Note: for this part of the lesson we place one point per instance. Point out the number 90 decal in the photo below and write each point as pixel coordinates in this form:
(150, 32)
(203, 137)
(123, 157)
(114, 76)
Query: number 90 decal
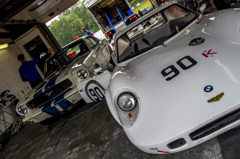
(94, 91)
(171, 71)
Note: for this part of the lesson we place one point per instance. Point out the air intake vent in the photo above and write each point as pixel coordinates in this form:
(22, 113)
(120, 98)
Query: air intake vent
(215, 125)
(177, 143)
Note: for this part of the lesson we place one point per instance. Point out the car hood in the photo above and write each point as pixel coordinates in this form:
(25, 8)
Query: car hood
(169, 108)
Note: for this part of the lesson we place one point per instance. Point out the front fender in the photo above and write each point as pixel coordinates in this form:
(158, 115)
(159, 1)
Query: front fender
(111, 105)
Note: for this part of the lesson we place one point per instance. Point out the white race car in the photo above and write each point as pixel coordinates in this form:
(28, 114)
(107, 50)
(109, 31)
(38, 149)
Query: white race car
(78, 61)
(177, 80)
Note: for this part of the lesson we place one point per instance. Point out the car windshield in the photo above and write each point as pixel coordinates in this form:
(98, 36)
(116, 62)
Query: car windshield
(153, 31)
(68, 53)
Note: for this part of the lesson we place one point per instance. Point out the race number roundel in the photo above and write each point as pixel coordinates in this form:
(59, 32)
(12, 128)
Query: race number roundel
(94, 91)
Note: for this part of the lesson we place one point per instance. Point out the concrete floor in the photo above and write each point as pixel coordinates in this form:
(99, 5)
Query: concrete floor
(90, 132)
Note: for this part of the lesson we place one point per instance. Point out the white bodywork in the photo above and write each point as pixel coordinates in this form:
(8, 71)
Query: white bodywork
(93, 89)
(173, 109)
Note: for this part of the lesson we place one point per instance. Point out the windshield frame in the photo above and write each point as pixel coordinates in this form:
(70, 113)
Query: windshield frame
(143, 19)
(64, 52)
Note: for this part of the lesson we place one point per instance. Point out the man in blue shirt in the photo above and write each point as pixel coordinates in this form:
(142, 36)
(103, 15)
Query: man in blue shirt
(28, 71)
(86, 31)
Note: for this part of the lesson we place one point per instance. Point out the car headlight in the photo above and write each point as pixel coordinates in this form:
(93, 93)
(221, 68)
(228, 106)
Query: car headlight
(82, 74)
(128, 107)
(23, 109)
(126, 101)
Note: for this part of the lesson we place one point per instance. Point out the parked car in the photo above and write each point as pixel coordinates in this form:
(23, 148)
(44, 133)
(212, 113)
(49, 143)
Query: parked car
(176, 81)
(76, 62)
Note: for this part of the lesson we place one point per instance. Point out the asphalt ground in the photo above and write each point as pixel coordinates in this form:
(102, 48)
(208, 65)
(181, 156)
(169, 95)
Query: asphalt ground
(89, 131)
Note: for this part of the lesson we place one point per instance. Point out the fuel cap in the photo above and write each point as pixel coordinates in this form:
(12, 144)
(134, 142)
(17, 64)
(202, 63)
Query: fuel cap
(196, 41)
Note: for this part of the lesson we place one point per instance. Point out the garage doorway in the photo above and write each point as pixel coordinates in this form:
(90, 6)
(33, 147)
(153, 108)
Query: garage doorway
(36, 48)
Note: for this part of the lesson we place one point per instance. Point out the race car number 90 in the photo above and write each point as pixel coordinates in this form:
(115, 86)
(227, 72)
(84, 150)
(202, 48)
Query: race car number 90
(94, 91)
(185, 63)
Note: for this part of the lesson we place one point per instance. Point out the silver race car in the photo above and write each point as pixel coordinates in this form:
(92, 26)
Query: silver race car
(78, 61)
(177, 80)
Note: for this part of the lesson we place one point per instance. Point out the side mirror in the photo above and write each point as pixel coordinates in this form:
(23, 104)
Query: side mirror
(203, 7)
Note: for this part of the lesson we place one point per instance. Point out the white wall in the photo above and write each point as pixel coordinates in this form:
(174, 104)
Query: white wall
(9, 64)
(9, 75)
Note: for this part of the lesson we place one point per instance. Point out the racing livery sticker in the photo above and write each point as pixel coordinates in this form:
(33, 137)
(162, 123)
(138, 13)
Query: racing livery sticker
(171, 71)
(216, 98)
(94, 91)
(208, 53)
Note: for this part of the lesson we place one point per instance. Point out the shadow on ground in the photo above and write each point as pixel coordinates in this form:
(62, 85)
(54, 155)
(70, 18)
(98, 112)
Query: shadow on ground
(88, 132)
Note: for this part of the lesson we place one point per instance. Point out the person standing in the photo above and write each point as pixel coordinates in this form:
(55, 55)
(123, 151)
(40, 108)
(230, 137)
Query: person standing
(28, 71)
(86, 31)
(140, 13)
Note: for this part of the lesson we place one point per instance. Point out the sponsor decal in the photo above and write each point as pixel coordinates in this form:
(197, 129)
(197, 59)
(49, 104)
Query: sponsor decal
(208, 53)
(156, 149)
(94, 91)
(162, 151)
(208, 88)
(216, 98)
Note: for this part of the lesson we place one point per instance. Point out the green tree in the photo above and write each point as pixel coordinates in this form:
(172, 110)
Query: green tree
(70, 23)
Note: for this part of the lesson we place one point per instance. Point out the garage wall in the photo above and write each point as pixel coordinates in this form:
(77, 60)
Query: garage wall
(9, 76)
(9, 64)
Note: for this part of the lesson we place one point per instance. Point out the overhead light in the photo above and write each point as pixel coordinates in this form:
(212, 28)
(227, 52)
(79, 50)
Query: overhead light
(3, 46)
(37, 5)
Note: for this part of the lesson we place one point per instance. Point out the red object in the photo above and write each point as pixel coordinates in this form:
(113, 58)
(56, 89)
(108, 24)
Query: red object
(133, 17)
(72, 54)
(162, 151)
(76, 37)
(209, 53)
(108, 34)
(91, 34)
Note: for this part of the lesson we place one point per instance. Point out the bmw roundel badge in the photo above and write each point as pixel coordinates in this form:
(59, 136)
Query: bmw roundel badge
(208, 88)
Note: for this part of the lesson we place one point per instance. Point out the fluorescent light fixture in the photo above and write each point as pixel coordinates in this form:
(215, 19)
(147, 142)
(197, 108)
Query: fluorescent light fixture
(37, 5)
(4, 46)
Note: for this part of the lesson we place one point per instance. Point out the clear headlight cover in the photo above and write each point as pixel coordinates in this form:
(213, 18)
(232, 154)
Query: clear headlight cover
(23, 109)
(82, 74)
(128, 108)
(126, 101)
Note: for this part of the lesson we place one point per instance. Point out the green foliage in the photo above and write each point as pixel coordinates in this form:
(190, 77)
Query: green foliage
(133, 3)
(70, 23)
(142, 6)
